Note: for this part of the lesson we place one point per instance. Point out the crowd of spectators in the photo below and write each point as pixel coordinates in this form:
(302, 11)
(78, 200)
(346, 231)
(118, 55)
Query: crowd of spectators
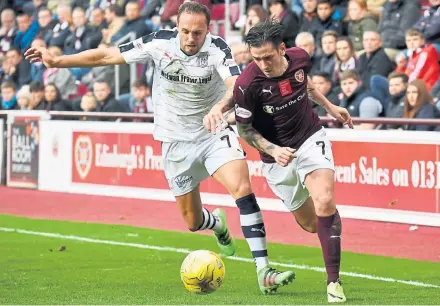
(377, 58)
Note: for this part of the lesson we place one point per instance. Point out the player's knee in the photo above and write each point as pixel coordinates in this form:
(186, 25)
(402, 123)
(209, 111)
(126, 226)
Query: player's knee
(241, 189)
(324, 203)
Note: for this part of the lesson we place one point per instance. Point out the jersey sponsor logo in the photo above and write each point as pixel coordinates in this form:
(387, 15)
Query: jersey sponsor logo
(267, 90)
(242, 112)
(181, 78)
(269, 109)
(83, 152)
(285, 88)
(299, 76)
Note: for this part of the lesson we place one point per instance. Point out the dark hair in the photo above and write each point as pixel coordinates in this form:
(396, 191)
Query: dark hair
(142, 82)
(329, 33)
(282, 2)
(114, 8)
(9, 84)
(36, 86)
(350, 74)
(325, 1)
(324, 75)
(23, 15)
(58, 93)
(269, 31)
(423, 97)
(401, 75)
(349, 42)
(194, 8)
(43, 9)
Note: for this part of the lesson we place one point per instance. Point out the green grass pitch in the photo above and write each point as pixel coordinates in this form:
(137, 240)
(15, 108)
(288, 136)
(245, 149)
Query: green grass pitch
(33, 270)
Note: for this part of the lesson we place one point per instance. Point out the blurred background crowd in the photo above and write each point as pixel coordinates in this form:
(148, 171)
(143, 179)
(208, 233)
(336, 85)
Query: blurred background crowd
(377, 58)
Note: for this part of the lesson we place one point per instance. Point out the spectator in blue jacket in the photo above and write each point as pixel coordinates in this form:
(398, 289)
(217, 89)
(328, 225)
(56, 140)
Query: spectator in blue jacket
(27, 31)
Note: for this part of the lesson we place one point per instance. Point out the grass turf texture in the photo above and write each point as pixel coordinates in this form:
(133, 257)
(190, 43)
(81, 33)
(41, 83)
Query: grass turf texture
(89, 273)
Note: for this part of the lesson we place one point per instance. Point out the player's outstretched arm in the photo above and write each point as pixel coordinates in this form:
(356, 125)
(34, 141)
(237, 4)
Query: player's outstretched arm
(282, 155)
(88, 58)
(339, 113)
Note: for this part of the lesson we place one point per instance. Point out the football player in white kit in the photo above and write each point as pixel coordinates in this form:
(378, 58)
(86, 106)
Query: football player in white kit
(194, 77)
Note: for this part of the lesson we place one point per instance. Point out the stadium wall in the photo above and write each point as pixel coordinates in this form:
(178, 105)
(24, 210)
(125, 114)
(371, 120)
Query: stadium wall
(391, 176)
(2, 152)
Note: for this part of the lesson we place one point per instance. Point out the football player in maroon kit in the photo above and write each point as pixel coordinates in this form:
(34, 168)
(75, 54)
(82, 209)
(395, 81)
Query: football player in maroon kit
(274, 115)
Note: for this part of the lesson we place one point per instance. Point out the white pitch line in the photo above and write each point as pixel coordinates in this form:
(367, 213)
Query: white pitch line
(186, 251)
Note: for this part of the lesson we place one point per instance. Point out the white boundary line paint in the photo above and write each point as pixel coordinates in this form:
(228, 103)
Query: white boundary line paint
(186, 251)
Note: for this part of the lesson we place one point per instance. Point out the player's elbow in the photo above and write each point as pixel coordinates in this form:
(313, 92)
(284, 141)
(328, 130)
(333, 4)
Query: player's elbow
(110, 56)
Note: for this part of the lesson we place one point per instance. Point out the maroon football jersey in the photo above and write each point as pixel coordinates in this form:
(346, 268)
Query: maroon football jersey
(278, 108)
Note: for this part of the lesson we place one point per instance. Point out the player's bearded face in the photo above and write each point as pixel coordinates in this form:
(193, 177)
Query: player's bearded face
(193, 29)
(270, 59)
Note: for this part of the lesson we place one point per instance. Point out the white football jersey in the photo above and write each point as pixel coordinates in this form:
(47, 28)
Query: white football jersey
(184, 87)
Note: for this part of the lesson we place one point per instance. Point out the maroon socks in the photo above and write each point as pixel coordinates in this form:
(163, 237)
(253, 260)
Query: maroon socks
(329, 233)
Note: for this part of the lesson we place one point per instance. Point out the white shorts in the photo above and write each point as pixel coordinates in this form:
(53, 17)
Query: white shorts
(288, 182)
(187, 164)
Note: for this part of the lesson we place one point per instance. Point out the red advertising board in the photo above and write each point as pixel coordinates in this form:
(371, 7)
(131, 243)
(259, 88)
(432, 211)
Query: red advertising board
(383, 175)
(118, 159)
(387, 175)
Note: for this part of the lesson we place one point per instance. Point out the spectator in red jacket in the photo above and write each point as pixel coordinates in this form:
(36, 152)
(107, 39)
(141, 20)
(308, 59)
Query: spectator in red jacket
(423, 60)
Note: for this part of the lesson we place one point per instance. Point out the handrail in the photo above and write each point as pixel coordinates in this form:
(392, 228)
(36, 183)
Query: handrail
(356, 120)
(130, 37)
(384, 120)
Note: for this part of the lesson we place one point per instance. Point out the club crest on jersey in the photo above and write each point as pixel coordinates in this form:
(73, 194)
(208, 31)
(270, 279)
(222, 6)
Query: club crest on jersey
(83, 154)
(203, 60)
(268, 109)
(299, 76)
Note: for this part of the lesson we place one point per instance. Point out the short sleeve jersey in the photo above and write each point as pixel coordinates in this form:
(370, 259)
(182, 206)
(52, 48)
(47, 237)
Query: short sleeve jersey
(278, 108)
(184, 87)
